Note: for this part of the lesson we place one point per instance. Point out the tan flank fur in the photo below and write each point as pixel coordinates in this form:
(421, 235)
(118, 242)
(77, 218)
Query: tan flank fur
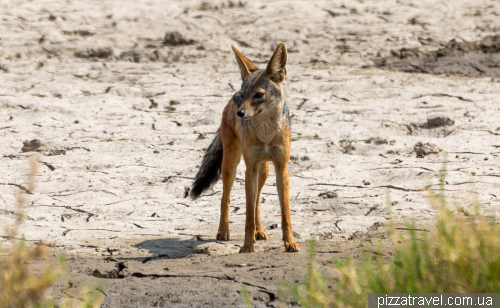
(255, 123)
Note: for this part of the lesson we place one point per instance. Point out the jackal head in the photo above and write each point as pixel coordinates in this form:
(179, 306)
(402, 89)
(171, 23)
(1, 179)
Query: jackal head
(262, 90)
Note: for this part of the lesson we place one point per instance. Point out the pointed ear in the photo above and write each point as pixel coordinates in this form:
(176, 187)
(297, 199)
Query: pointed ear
(276, 68)
(246, 66)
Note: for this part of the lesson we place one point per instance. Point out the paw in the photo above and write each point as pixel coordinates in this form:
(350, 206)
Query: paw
(223, 235)
(260, 235)
(246, 249)
(292, 247)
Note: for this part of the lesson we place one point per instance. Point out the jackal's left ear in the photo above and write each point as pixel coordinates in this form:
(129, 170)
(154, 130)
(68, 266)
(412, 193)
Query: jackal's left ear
(246, 66)
(276, 68)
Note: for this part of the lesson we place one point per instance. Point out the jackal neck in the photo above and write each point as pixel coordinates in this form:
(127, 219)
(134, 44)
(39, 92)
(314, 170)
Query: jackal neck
(267, 125)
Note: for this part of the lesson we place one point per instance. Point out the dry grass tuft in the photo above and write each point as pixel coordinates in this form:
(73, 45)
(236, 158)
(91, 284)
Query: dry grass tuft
(461, 254)
(19, 285)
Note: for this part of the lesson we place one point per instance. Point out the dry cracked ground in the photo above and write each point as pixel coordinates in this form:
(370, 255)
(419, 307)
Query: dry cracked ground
(119, 99)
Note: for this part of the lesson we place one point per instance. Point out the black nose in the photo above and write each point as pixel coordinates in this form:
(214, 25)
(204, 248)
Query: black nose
(241, 113)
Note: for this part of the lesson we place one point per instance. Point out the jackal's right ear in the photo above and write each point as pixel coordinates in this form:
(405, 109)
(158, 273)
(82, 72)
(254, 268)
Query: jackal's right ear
(246, 66)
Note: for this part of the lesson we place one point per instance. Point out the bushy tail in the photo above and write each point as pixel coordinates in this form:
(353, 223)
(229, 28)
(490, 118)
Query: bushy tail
(210, 168)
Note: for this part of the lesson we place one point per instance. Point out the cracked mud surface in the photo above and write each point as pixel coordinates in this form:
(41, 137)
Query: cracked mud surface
(120, 101)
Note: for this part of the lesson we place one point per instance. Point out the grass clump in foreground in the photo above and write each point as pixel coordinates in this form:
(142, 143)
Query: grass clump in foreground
(19, 285)
(459, 255)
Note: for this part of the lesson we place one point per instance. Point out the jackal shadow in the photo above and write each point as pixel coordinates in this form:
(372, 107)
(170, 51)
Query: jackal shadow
(175, 248)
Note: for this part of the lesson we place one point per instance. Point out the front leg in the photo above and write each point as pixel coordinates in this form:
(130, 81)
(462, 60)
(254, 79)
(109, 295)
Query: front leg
(263, 173)
(282, 183)
(231, 157)
(251, 189)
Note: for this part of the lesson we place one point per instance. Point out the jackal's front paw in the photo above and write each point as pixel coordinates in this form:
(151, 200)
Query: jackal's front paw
(260, 235)
(292, 247)
(246, 249)
(223, 235)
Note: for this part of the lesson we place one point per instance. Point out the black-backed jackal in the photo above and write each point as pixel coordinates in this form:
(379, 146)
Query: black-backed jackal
(255, 123)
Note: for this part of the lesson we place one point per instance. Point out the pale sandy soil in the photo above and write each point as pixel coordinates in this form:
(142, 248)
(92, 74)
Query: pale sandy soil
(81, 77)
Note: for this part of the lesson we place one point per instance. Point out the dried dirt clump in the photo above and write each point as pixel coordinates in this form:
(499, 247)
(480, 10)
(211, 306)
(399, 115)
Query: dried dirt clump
(435, 121)
(174, 38)
(424, 149)
(457, 57)
(99, 53)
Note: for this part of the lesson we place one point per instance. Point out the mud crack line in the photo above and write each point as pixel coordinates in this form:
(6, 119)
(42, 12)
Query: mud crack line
(21, 187)
(358, 186)
(444, 95)
(107, 230)
(61, 194)
(71, 208)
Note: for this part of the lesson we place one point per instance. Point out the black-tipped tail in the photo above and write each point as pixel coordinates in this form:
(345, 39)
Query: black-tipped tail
(210, 168)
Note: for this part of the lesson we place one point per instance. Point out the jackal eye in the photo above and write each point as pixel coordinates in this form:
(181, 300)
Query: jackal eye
(259, 95)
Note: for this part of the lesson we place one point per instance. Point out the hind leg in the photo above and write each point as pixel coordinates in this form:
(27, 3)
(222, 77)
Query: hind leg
(263, 172)
(230, 158)
(282, 183)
